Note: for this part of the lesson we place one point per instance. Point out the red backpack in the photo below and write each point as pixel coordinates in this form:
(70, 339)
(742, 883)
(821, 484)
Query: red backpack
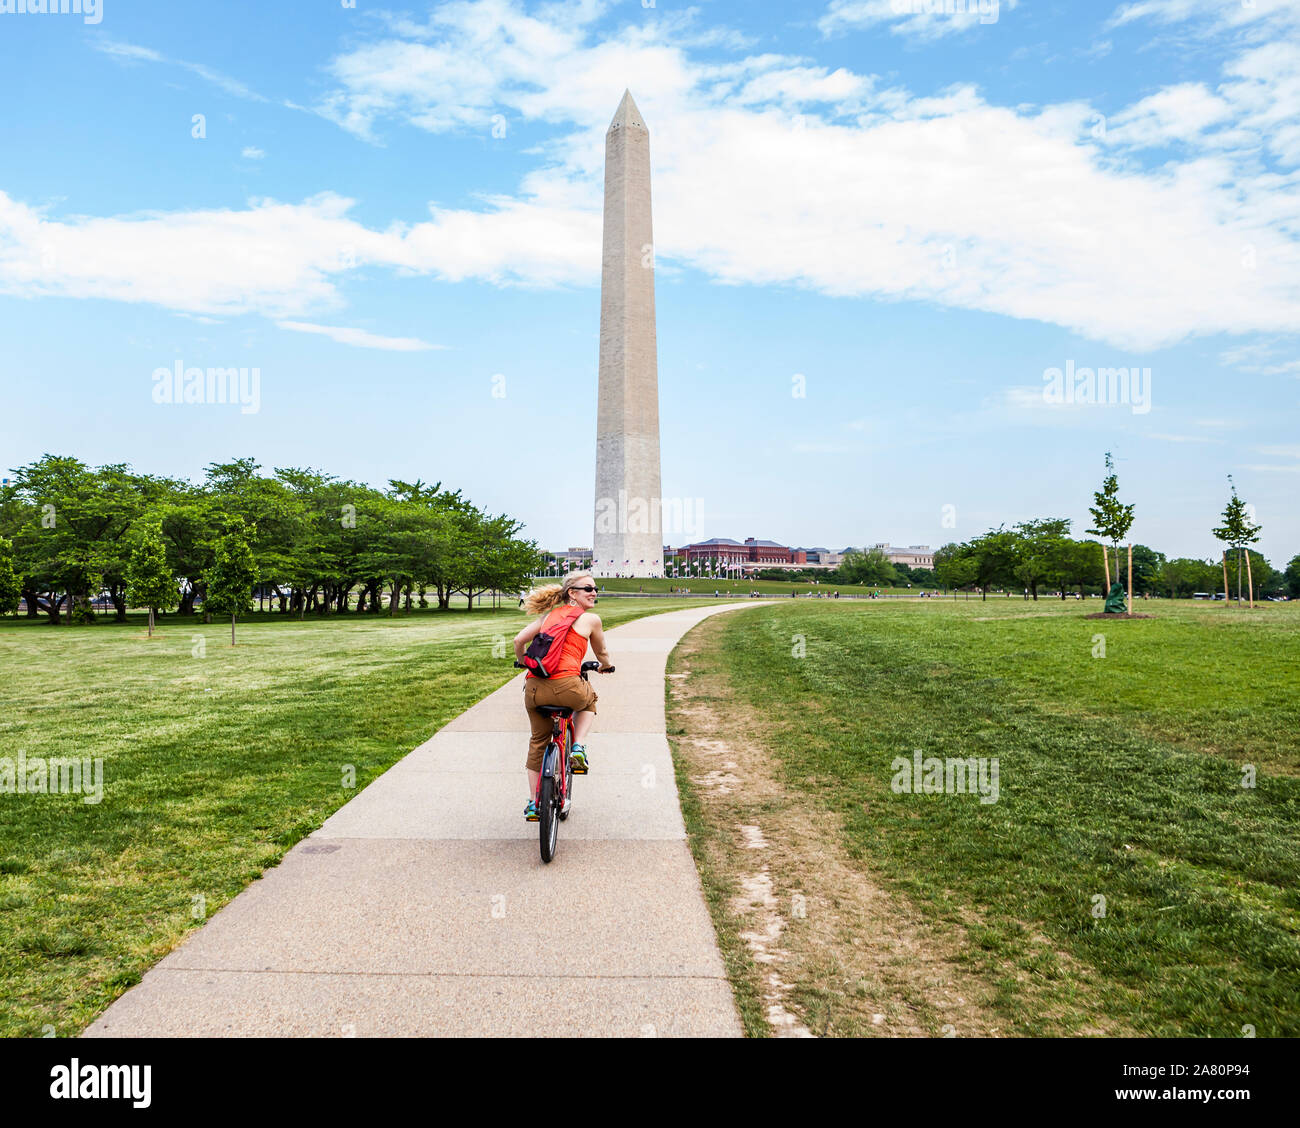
(542, 657)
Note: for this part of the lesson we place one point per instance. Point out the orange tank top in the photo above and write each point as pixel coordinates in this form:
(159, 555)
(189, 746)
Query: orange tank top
(574, 649)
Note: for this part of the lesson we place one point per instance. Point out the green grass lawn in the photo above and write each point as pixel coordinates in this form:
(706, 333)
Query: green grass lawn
(216, 761)
(1120, 777)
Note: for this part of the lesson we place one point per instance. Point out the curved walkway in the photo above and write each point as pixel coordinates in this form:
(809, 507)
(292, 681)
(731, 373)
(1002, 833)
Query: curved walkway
(422, 907)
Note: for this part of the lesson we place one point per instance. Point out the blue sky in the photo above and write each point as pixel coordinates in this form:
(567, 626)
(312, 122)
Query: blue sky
(394, 213)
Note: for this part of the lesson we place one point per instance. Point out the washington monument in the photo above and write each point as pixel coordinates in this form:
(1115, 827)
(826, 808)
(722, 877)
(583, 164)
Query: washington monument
(628, 537)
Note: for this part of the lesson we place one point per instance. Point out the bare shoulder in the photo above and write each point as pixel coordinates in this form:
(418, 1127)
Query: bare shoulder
(587, 622)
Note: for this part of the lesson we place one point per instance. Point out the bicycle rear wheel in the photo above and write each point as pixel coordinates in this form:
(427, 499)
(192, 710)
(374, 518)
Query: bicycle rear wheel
(548, 822)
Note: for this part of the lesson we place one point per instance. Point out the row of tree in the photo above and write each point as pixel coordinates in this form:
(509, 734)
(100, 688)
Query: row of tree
(306, 541)
(1041, 554)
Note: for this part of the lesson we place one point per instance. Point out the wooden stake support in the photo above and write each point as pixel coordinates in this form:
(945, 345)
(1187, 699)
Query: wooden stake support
(1105, 564)
(1250, 582)
(1225, 577)
(1130, 578)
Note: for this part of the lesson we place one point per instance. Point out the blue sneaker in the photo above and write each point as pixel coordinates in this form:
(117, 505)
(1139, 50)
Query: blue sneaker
(578, 758)
(530, 812)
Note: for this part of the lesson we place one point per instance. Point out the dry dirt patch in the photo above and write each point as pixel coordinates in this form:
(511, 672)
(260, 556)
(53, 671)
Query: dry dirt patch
(834, 953)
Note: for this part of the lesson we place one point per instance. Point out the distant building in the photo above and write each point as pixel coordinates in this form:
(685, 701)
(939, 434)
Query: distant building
(731, 553)
(752, 553)
(914, 556)
(571, 557)
(818, 555)
(769, 552)
(722, 549)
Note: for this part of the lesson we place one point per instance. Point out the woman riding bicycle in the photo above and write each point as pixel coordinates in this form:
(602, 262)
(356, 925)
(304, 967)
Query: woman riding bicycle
(565, 686)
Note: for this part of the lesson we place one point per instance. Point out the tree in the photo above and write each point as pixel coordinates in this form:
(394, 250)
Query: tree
(1292, 577)
(1147, 563)
(1111, 518)
(62, 550)
(395, 548)
(123, 498)
(1237, 531)
(1037, 550)
(995, 559)
(233, 573)
(272, 511)
(10, 587)
(188, 517)
(1074, 563)
(1181, 574)
(871, 568)
(954, 566)
(149, 580)
(1267, 580)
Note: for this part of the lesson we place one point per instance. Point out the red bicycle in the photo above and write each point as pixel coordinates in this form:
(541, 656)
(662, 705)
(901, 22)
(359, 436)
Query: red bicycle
(554, 796)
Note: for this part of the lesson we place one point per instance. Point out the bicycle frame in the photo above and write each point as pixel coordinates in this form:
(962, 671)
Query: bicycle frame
(555, 760)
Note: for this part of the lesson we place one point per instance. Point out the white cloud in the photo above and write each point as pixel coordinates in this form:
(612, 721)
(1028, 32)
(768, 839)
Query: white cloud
(1175, 113)
(1262, 358)
(773, 170)
(917, 19)
(252, 153)
(1215, 15)
(769, 169)
(1252, 111)
(280, 259)
(360, 338)
(127, 50)
(1264, 89)
(135, 53)
(270, 258)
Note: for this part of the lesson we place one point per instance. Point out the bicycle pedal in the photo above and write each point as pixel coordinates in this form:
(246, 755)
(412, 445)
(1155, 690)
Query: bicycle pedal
(579, 771)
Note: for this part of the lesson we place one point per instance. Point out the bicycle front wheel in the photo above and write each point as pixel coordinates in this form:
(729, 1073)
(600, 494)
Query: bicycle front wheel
(548, 820)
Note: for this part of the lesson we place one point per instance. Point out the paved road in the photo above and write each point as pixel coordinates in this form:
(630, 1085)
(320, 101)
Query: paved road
(422, 906)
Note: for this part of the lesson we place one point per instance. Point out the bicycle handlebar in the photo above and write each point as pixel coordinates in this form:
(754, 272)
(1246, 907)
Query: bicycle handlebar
(585, 667)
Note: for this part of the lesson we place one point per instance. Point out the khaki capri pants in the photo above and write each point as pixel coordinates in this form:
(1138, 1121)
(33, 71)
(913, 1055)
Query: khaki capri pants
(573, 692)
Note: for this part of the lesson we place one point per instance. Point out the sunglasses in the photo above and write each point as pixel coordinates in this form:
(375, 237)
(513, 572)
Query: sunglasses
(588, 587)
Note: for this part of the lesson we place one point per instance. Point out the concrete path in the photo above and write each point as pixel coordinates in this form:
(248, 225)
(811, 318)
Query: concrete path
(422, 906)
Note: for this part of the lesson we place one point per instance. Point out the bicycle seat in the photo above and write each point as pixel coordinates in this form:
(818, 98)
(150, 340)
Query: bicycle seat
(555, 710)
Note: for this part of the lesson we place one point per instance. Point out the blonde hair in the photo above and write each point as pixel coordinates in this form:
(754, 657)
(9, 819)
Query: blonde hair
(549, 596)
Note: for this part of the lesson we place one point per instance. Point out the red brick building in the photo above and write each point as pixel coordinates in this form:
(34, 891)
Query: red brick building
(729, 552)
